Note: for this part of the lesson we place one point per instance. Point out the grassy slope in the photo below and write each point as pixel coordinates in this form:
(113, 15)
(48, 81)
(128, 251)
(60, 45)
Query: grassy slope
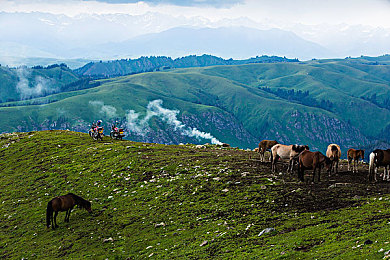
(214, 195)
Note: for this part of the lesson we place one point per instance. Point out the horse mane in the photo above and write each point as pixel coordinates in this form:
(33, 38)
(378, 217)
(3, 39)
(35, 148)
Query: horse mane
(80, 201)
(299, 148)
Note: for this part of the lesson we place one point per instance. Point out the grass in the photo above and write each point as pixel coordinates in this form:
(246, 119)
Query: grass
(177, 201)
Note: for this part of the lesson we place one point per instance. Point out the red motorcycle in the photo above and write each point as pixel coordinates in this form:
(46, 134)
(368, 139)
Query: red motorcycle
(116, 133)
(96, 132)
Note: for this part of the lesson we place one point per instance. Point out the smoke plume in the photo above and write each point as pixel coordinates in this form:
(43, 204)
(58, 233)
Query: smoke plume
(106, 111)
(154, 108)
(41, 86)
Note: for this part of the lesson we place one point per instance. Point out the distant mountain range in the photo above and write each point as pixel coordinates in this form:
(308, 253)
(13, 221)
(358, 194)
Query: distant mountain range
(316, 103)
(45, 35)
(224, 42)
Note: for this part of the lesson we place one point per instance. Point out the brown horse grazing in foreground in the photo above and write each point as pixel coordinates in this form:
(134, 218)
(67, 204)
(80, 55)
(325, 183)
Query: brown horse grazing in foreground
(264, 146)
(334, 154)
(312, 161)
(285, 152)
(379, 158)
(64, 203)
(354, 155)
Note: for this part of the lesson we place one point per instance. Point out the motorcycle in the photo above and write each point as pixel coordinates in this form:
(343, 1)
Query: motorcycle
(96, 132)
(116, 133)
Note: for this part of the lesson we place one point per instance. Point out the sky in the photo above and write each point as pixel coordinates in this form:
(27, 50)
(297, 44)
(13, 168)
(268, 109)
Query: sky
(280, 12)
(344, 27)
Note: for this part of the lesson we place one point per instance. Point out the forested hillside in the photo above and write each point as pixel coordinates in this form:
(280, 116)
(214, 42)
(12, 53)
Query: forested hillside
(24, 83)
(316, 103)
(148, 64)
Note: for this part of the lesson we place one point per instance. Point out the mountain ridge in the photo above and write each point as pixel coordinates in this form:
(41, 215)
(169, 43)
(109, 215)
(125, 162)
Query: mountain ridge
(221, 99)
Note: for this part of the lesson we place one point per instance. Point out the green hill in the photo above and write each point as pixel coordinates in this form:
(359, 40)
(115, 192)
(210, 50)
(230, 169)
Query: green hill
(167, 202)
(123, 67)
(315, 103)
(25, 83)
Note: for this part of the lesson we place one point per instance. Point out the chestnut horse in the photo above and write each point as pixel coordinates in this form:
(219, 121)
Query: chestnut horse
(379, 158)
(334, 154)
(285, 152)
(308, 160)
(354, 155)
(64, 203)
(264, 146)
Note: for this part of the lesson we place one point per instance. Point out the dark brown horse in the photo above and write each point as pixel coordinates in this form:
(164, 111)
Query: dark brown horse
(312, 161)
(64, 203)
(379, 158)
(354, 155)
(264, 146)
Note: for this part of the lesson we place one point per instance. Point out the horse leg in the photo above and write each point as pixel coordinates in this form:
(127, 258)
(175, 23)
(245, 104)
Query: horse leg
(52, 220)
(70, 210)
(337, 166)
(273, 163)
(55, 219)
(349, 161)
(314, 173)
(319, 173)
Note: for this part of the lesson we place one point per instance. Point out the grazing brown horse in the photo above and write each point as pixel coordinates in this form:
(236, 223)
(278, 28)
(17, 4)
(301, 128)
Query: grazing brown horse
(334, 154)
(64, 203)
(264, 146)
(379, 158)
(312, 161)
(354, 155)
(285, 152)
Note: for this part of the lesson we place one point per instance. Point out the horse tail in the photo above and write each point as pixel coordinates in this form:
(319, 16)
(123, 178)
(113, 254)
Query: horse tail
(371, 165)
(49, 213)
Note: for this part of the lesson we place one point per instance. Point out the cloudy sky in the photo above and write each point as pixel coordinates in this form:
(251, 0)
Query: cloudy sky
(366, 12)
(356, 26)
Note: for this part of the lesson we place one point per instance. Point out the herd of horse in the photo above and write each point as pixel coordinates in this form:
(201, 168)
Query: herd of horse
(316, 161)
(295, 154)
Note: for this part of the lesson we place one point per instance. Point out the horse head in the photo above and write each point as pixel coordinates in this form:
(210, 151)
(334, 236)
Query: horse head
(87, 206)
(299, 148)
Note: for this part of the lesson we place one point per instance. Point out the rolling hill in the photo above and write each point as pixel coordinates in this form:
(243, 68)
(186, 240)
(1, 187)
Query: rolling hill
(316, 103)
(25, 83)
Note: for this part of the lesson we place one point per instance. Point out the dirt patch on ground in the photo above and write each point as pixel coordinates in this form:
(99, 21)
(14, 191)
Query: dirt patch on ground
(332, 192)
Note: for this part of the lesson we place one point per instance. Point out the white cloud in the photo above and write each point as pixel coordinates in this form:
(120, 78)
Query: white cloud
(367, 12)
(84, 23)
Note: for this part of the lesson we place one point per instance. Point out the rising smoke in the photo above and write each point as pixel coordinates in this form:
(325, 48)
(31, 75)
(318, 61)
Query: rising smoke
(106, 111)
(41, 86)
(154, 108)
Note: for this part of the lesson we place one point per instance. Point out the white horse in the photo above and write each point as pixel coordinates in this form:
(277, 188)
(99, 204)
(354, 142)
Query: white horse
(285, 152)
